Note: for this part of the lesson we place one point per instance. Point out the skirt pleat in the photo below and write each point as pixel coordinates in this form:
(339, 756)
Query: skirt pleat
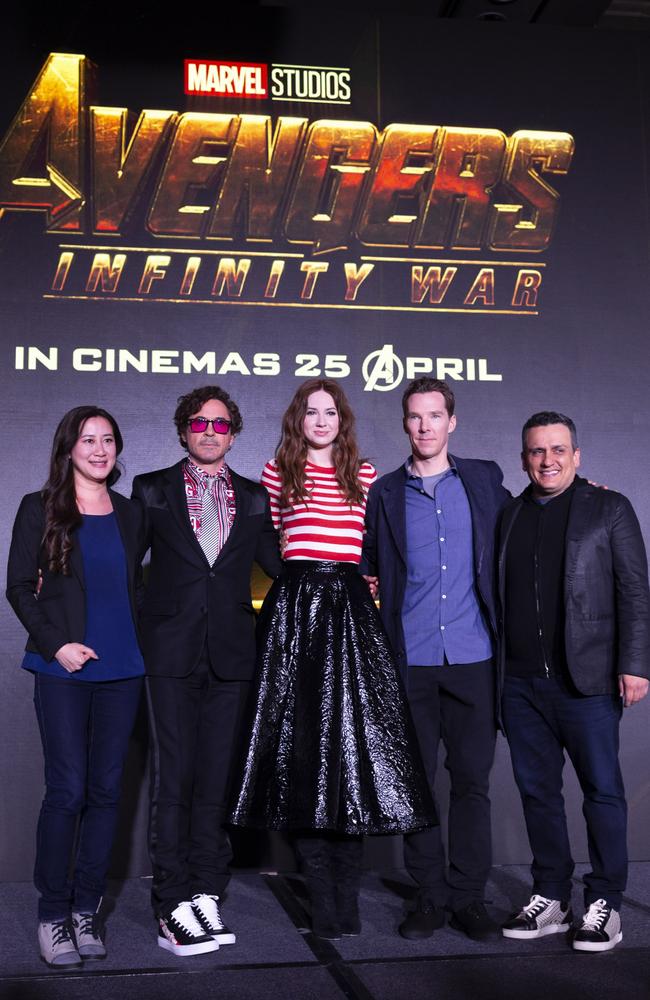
(331, 744)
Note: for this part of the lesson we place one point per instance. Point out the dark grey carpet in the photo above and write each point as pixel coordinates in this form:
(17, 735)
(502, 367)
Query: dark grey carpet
(276, 956)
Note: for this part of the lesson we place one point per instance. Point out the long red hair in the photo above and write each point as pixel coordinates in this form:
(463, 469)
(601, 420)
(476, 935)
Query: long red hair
(291, 454)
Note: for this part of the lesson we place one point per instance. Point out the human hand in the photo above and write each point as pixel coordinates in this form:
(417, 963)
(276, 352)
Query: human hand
(39, 584)
(632, 688)
(284, 541)
(373, 585)
(74, 655)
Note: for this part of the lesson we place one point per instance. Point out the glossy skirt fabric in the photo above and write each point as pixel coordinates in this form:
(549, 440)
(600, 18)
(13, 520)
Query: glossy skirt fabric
(332, 745)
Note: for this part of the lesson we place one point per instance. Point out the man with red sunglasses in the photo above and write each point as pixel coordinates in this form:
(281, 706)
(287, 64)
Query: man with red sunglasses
(205, 526)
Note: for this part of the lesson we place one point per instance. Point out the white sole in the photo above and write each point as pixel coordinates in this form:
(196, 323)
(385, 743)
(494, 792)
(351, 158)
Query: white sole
(598, 945)
(229, 938)
(188, 949)
(532, 935)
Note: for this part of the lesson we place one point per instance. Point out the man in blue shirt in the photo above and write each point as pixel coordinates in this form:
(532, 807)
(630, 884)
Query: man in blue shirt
(430, 539)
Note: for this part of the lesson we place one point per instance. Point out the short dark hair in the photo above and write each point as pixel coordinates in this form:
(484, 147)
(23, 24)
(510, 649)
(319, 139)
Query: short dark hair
(194, 400)
(543, 419)
(428, 384)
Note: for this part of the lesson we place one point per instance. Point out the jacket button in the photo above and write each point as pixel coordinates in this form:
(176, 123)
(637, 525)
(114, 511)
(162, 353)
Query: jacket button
(211, 574)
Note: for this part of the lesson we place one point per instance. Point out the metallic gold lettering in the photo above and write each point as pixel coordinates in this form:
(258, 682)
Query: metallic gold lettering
(527, 223)
(527, 287)
(354, 278)
(469, 165)
(155, 269)
(106, 272)
(329, 182)
(42, 154)
(434, 282)
(482, 288)
(399, 185)
(312, 270)
(256, 177)
(277, 269)
(122, 163)
(186, 190)
(62, 270)
(231, 275)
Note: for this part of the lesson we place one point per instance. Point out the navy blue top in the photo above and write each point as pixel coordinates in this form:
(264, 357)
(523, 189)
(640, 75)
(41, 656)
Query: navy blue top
(441, 614)
(109, 624)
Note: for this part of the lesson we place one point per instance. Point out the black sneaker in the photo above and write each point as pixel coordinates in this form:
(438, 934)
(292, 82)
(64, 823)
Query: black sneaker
(600, 929)
(539, 917)
(474, 921)
(182, 934)
(206, 908)
(421, 922)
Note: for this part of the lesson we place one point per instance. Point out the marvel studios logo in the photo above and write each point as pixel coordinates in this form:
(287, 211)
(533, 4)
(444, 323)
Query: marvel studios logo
(288, 81)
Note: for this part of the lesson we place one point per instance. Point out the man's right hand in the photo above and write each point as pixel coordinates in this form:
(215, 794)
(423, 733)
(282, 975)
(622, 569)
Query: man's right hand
(373, 584)
(74, 655)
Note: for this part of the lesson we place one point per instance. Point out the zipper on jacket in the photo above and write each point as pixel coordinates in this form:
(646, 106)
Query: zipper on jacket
(538, 603)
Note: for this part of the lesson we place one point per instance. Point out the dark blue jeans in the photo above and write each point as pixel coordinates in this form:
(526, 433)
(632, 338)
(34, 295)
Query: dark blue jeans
(85, 728)
(542, 719)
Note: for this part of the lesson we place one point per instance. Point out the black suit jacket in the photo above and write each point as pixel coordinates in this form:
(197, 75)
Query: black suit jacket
(188, 602)
(606, 596)
(384, 544)
(58, 614)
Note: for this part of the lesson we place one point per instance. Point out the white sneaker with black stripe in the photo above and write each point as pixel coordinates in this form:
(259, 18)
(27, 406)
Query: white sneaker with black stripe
(600, 929)
(539, 917)
(182, 934)
(206, 908)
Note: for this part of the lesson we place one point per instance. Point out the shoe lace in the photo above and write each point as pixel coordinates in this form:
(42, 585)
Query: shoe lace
(536, 905)
(596, 916)
(209, 907)
(185, 917)
(87, 924)
(61, 931)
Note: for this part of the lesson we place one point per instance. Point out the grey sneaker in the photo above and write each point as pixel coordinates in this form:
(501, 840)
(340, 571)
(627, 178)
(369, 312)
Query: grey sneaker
(539, 917)
(206, 908)
(86, 930)
(57, 944)
(600, 929)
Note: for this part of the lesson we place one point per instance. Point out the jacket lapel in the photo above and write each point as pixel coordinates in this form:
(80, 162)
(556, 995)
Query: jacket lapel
(578, 527)
(394, 501)
(174, 491)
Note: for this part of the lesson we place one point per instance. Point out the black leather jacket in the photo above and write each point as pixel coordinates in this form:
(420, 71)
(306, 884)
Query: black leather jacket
(606, 594)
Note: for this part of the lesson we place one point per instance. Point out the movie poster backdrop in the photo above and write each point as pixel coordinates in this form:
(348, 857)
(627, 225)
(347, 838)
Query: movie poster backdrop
(287, 199)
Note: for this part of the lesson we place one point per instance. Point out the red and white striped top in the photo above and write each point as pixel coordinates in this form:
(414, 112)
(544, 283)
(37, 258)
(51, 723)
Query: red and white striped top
(326, 525)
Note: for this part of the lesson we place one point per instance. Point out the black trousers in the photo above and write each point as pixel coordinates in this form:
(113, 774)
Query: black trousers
(195, 727)
(455, 704)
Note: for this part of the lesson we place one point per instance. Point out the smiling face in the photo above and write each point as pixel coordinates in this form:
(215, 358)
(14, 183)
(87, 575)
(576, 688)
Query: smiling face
(321, 422)
(428, 426)
(550, 459)
(95, 451)
(207, 449)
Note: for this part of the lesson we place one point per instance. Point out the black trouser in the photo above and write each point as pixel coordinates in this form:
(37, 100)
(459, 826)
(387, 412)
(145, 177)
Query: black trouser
(455, 703)
(195, 723)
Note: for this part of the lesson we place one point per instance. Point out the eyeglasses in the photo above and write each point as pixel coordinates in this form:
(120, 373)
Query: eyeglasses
(199, 424)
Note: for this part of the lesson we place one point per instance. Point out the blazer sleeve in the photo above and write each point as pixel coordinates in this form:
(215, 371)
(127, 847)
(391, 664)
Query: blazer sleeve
(368, 565)
(22, 578)
(632, 593)
(267, 550)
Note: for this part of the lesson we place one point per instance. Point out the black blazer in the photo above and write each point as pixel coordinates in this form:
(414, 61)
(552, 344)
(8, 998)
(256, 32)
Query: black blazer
(606, 596)
(188, 602)
(58, 615)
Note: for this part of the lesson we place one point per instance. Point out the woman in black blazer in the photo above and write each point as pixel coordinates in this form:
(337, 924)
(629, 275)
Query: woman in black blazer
(73, 579)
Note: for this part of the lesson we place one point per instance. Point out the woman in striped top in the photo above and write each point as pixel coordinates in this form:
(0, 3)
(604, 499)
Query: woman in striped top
(332, 754)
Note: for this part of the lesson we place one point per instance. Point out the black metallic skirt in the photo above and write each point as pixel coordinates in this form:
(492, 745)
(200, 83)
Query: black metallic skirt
(332, 745)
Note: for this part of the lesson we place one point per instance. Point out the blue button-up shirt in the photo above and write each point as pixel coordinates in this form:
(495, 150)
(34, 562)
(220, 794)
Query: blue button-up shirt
(441, 614)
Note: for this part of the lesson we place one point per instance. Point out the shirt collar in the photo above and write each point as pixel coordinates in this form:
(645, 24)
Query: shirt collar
(408, 468)
(203, 478)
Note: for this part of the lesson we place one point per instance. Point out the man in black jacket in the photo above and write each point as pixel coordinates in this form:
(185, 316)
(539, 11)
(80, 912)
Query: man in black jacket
(205, 526)
(573, 582)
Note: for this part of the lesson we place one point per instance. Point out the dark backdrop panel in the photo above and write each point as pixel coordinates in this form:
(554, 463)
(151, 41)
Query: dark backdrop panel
(584, 351)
